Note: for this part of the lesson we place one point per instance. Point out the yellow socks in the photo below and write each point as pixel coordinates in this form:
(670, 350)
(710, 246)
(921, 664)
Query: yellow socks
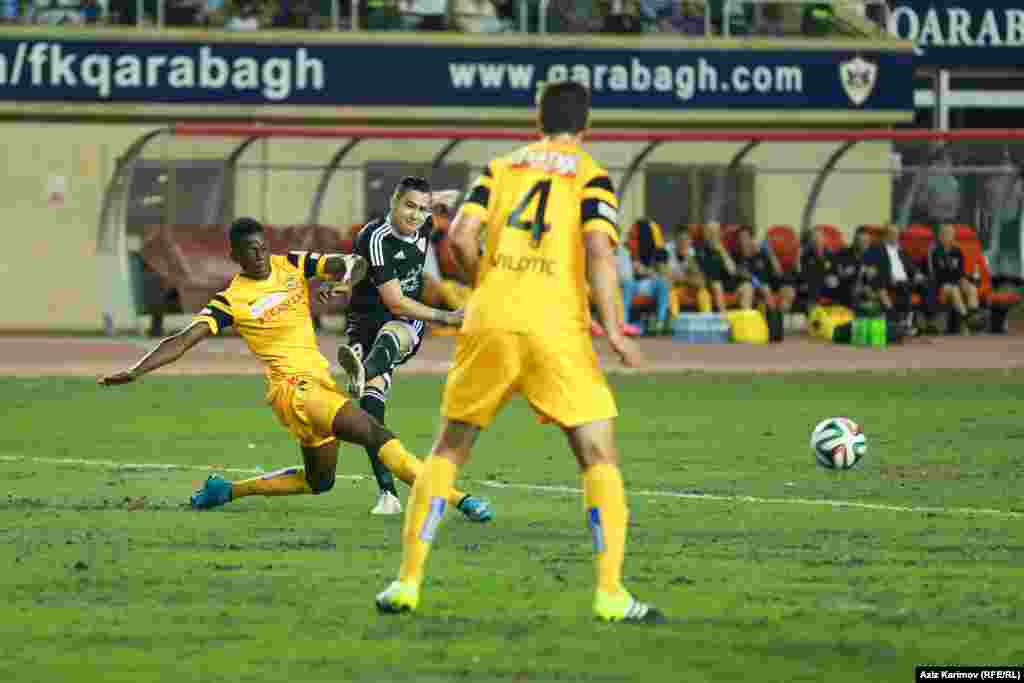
(423, 514)
(287, 482)
(406, 467)
(604, 498)
(401, 462)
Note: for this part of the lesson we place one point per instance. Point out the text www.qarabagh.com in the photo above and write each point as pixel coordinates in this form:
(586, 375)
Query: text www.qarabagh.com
(685, 81)
(42, 65)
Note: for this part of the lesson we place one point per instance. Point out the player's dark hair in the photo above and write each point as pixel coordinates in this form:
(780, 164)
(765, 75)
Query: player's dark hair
(412, 182)
(564, 107)
(242, 228)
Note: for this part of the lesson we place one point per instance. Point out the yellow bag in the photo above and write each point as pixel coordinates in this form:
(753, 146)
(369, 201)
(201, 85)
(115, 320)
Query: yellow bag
(825, 319)
(748, 326)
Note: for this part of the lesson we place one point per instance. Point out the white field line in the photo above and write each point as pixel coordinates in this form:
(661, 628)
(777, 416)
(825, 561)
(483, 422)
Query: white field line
(756, 500)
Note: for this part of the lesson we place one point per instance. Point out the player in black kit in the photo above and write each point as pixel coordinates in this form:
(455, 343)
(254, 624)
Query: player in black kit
(385, 319)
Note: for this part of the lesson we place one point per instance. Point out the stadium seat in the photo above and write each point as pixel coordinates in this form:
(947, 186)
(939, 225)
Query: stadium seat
(977, 268)
(784, 243)
(917, 241)
(834, 239)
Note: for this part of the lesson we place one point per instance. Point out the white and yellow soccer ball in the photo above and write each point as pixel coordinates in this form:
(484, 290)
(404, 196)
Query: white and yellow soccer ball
(838, 443)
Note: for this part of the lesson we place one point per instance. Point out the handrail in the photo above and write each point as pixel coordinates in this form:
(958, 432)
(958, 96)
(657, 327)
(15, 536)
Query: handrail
(543, 19)
(715, 135)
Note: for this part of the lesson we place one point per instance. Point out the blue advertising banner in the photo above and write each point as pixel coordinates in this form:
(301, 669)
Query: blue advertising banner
(379, 74)
(952, 33)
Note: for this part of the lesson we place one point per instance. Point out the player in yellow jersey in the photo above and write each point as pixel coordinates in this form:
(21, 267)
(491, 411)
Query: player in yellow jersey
(268, 303)
(548, 214)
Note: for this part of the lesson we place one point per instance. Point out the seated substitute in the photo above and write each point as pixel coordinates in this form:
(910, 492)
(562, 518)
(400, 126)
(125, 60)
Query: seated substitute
(951, 284)
(765, 273)
(685, 276)
(649, 257)
(720, 272)
(849, 270)
(892, 275)
(817, 270)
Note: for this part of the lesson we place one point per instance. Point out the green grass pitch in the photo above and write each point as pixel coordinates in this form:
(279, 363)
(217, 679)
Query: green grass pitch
(108, 576)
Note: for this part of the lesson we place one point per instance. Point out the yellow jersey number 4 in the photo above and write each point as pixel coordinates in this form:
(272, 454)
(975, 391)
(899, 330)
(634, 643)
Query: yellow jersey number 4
(536, 227)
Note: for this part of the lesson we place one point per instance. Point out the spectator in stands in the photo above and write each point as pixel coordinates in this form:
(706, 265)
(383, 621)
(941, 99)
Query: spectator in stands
(183, 12)
(892, 275)
(476, 16)
(248, 15)
(10, 12)
(687, 18)
(757, 264)
(424, 15)
(570, 16)
(57, 12)
(646, 245)
(623, 18)
(719, 271)
(951, 282)
(685, 276)
(303, 15)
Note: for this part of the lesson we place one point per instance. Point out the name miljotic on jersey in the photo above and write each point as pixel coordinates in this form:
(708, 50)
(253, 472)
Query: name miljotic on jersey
(524, 264)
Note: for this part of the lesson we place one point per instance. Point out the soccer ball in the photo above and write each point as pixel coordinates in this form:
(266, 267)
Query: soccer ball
(838, 443)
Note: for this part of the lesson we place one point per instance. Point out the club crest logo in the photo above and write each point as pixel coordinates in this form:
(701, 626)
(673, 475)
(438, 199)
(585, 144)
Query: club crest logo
(858, 77)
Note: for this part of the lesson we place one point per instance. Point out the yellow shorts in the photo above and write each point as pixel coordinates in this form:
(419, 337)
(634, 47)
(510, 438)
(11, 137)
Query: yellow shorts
(306, 406)
(559, 375)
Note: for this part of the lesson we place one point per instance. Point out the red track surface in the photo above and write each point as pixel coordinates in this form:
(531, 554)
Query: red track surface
(81, 356)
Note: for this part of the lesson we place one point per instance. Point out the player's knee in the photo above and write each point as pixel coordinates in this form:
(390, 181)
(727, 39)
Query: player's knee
(380, 383)
(320, 482)
(402, 335)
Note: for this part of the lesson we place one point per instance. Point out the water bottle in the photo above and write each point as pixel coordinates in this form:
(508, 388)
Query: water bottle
(860, 331)
(877, 333)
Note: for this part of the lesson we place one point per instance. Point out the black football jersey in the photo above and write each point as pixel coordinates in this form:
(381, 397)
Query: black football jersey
(946, 265)
(391, 257)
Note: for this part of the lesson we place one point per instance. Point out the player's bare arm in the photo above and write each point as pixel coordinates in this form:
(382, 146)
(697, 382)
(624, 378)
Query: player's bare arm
(604, 286)
(166, 352)
(342, 272)
(465, 238)
(402, 306)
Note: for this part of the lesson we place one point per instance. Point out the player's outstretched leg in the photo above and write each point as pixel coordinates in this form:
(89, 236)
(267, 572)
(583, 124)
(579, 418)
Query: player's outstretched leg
(317, 476)
(374, 402)
(604, 499)
(424, 513)
(353, 425)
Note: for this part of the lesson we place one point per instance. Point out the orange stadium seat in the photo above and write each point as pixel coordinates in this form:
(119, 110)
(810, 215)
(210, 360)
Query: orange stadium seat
(917, 241)
(834, 239)
(784, 243)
